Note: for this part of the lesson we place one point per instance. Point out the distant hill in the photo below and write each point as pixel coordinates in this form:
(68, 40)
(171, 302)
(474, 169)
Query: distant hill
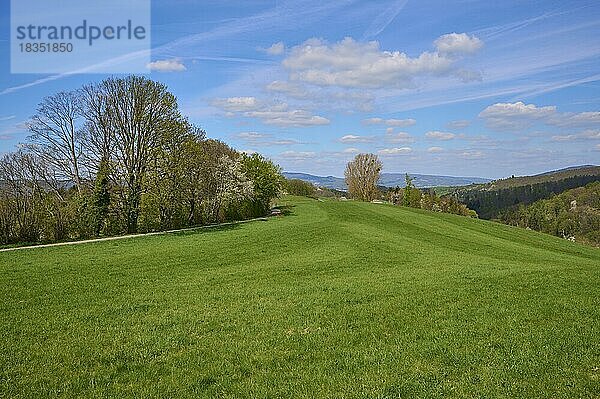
(490, 199)
(336, 183)
(397, 179)
(389, 180)
(555, 175)
(580, 167)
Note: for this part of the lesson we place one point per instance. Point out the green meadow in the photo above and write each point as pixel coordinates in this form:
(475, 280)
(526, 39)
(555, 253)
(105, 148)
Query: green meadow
(332, 300)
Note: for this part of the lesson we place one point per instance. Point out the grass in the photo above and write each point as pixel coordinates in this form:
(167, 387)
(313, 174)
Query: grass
(336, 299)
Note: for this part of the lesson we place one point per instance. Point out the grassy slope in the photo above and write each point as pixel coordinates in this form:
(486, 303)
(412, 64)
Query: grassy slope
(339, 299)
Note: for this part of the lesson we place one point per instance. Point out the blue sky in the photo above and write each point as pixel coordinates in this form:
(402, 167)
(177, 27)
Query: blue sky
(472, 88)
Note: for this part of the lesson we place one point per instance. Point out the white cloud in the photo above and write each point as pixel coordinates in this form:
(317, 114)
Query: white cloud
(373, 121)
(282, 142)
(585, 135)
(23, 125)
(518, 109)
(360, 100)
(458, 124)
(270, 114)
(324, 99)
(264, 139)
(576, 119)
(400, 137)
(291, 89)
(237, 104)
(390, 122)
(353, 64)
(507, 116)
(352, 138)
(7, 118)
(597, 147)
(251, 136)
(400, 122)
(514, 116)
(298, 155)
(349, 63)
(172, 65)
(276, 49)
(458, 43)
(395, 151)
(288, 118)
(351, 150)
(435, 149)
(437, 135)
(471, 154)
(467, 76)
(564, 137)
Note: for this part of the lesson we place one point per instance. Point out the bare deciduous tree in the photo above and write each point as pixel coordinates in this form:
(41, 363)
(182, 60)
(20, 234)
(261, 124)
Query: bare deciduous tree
(56, 136)
(362, 175)
(99, 140)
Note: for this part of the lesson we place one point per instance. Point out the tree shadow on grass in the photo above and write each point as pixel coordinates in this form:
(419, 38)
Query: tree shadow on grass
(204, 229)
(286, 210)
(214, 228)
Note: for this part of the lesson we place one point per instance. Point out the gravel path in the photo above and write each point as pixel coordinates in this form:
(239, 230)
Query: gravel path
(58, 244)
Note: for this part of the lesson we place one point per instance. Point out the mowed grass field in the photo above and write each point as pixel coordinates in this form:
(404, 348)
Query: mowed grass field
(336, 300)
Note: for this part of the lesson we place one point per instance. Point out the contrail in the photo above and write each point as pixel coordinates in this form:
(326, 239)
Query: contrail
(384, 19)
(267, 20)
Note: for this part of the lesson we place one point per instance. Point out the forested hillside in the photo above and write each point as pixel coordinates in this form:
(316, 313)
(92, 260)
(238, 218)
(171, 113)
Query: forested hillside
(555, 175)
(491, 199)
(574, 214)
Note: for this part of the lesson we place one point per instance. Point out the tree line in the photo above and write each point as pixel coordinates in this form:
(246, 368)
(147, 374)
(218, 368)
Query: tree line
(118, 157)
(362, 175)
(489, 203)
(413, 197)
